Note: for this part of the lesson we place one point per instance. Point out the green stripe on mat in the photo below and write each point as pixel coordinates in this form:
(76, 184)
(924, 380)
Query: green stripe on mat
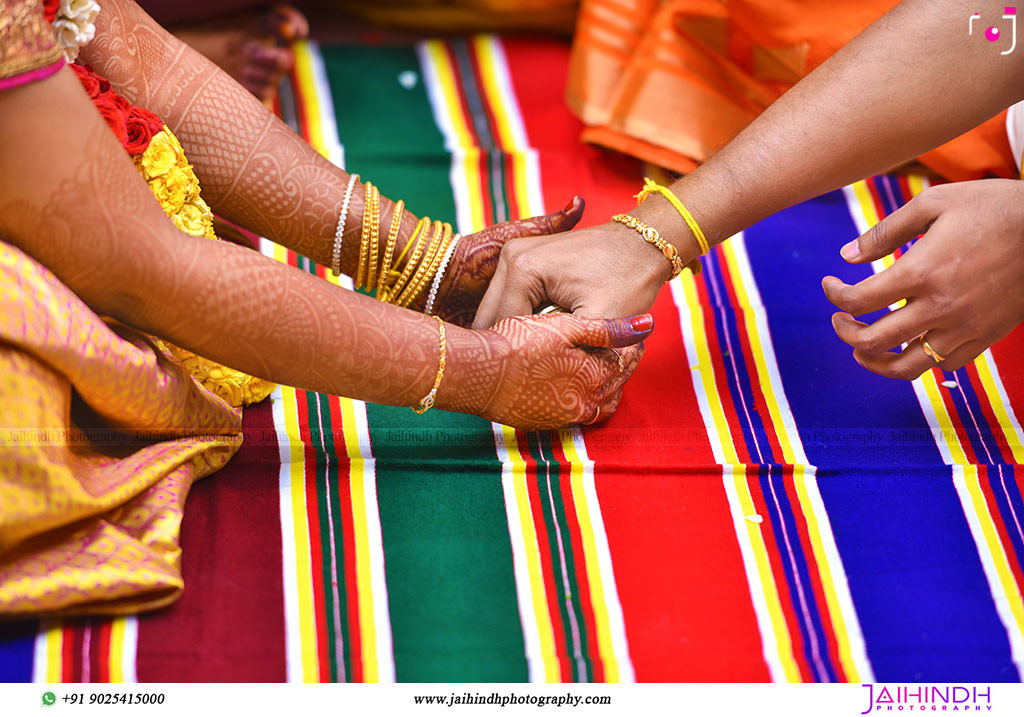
(543, 454)
(451, 588)
(318, 411)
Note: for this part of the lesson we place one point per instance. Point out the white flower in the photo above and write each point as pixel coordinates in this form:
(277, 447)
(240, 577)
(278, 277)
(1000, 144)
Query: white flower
(74, 25)
(74, 9)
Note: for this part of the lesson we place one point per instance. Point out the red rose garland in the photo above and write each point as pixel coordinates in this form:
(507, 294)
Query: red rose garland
(176, 187)
(133, 126)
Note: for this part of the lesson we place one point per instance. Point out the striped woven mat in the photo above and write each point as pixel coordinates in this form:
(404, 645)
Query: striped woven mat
(760, 508)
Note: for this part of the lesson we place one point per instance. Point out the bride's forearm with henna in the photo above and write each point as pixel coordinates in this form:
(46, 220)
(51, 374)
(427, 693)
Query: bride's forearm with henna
(253, 169)
(70, 197)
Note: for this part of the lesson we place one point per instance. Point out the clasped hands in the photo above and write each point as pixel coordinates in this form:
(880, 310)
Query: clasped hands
(962, 281)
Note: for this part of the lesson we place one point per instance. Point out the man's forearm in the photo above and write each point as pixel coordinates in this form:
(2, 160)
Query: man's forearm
(910, 82)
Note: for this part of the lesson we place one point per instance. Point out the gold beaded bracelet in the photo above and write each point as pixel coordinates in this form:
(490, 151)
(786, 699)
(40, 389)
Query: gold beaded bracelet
(371, 269)
(427, 401)
(651, 235)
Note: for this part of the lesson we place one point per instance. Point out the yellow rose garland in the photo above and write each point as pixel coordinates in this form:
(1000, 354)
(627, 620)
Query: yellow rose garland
(174, 184)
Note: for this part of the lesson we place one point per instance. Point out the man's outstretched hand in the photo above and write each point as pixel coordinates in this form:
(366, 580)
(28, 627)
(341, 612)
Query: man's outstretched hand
(963, 280)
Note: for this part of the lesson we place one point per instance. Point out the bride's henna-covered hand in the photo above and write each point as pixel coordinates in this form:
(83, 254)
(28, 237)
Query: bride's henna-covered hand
(476, 257)
(254, 170)
(70, 198)
(541, 372)
(257, 172)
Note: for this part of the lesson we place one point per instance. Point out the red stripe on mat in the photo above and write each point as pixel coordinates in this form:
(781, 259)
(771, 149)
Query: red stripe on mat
(71, 657)
(1007, 354)
(483, 162)
(773, 454)
(504, 157)
(724, 377)
(989, 424)
(228, 625)
(677, 563)
(316, 556)
(344, 497)
(988, 479)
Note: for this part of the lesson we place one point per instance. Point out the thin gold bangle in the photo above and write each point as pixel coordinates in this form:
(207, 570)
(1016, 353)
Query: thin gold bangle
(371, 219)
(423, 273)
(428, 251)
(389, 248)
(427, 402)
(371, 267)
(429, 268)
(410, 265)
(389, 289)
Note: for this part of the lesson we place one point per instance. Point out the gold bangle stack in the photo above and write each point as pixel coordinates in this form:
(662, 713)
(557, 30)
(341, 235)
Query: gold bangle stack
(420, 239)
(431, 261)
(392, 275)
(426, 250)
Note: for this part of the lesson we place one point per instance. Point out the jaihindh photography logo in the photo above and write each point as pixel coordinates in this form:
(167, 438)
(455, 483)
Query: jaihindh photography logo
(927, 698)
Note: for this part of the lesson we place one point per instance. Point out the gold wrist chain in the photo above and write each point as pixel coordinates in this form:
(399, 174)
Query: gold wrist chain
(651, 235)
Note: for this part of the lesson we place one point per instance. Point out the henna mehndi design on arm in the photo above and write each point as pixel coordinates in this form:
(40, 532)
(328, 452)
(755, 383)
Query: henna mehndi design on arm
(258, 173)
(72, 199)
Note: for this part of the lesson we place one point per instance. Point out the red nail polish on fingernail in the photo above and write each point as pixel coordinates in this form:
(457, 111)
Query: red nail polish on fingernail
(570, 205)
(642, 323)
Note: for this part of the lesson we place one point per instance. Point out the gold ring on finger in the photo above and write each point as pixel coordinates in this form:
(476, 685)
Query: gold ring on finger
(935, 355)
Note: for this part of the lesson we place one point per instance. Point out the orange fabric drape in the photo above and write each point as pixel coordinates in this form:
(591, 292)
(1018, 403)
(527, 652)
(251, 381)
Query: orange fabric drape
(671, 81)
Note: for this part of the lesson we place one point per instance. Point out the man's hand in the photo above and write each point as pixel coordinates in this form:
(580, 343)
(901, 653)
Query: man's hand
(476, 261)
(963, 280)
(602, 272)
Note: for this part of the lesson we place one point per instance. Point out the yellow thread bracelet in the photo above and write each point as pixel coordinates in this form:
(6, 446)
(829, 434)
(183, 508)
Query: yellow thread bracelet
(652, 187)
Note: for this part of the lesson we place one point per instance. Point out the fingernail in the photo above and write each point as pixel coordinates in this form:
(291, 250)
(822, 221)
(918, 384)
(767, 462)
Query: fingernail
(642, 323)
(850, 251)
(569, 206)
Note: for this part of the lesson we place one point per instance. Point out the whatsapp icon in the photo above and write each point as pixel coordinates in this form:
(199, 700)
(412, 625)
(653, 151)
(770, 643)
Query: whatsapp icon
(49, 698)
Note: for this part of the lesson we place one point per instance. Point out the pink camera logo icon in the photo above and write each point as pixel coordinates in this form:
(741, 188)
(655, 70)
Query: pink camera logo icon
(992, 34)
